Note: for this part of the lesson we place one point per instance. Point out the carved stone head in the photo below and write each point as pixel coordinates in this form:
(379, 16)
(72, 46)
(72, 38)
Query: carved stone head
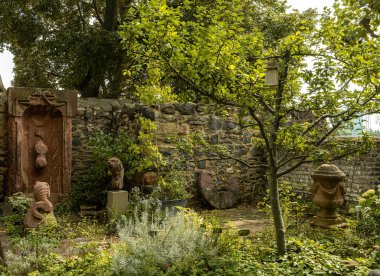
(41, 191)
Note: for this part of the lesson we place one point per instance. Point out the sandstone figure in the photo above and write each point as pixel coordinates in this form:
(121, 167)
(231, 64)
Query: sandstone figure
(117, 171)
(41, 209)
(41, 150)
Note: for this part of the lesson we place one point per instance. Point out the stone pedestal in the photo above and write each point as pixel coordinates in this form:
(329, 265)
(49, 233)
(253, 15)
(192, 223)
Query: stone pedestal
(117, 202)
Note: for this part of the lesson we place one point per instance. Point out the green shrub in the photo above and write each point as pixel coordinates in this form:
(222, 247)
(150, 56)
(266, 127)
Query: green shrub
(35, 254)
(153, 244)
(14, 223)
(137, 154)
(370, 222)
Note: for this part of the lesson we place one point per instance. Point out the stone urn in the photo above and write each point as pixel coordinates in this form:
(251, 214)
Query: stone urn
(328, 194)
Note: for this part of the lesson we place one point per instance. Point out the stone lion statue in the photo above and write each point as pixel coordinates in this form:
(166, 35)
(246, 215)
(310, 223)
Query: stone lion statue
(41, 209)
(117, 170)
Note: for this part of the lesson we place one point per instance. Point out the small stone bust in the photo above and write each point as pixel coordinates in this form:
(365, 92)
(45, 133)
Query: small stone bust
(117, 170)
(41, 209)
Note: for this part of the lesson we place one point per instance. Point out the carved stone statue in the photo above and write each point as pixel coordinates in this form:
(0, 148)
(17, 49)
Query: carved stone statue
(41, 208)
(117, 171)
(328, 194)
(41, 150)
(40, 140)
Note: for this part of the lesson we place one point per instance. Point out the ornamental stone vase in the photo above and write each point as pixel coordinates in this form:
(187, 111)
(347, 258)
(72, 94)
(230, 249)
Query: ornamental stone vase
(328, 194)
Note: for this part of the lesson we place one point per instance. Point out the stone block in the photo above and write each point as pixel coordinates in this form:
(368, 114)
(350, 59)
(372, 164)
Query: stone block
(203, 164)
(184, 129)
(228, 125)
(117, 201)
(186, 109)
(168, 109)
(201, 108)
(214, 139)
(215, 123)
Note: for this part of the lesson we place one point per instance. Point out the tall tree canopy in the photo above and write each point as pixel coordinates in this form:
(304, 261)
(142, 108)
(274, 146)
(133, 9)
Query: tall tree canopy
(328, 73)
(67, 44)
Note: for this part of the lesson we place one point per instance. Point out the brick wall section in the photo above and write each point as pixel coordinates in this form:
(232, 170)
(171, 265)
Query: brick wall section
(361, 173)
(182, 119)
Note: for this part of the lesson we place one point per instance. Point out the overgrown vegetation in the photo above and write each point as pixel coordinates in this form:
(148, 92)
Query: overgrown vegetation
(151, 242)
(218, 53)
(137, 153)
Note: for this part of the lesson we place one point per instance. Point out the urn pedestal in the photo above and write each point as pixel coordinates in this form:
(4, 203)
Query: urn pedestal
(328, 194)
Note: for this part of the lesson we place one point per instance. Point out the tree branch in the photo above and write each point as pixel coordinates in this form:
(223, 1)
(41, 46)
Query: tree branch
(97, 15)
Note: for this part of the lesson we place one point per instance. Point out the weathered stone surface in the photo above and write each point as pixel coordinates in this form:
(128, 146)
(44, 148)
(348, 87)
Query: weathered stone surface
(145, 180)
(186, 109)
(145, 111)
(215, 123)
(220, 194)
(214, 139)
(41, 210)
(117, 170)
(228, 125)
(40, 133)
(196, 123)
(168, 109)
(328, 194)
(92, 115)
(375, 272)
(117, 202)
(169, 118)
(202, 164)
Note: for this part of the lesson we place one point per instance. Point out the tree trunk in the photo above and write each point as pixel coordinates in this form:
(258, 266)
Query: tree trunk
(276, 212)
(111, 14)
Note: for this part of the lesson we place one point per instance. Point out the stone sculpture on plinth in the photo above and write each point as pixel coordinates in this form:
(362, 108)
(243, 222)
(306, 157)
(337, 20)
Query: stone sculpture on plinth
(41, 209)
(328, 194)
(117, 170)
(117, 199)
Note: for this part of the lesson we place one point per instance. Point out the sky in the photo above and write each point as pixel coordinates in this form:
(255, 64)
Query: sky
(6, 64)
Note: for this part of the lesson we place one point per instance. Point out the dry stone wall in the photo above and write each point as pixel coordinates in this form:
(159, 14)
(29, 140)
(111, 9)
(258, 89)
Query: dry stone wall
(183, 119)
(172, 120)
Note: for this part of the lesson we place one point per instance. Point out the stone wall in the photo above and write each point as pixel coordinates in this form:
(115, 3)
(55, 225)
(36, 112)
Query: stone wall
(183, 119)
(361, 173)
(172, 120)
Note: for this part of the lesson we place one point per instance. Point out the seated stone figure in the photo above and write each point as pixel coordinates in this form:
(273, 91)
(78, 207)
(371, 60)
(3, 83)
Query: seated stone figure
(41, 209)
(117, 170)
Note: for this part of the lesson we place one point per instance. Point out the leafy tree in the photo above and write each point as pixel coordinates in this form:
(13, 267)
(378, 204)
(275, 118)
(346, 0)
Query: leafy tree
(68, 43)
(219, 54)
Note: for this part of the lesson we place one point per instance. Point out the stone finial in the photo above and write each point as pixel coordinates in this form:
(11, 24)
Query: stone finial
(117, 171)
(328, 194)
(41, 208)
